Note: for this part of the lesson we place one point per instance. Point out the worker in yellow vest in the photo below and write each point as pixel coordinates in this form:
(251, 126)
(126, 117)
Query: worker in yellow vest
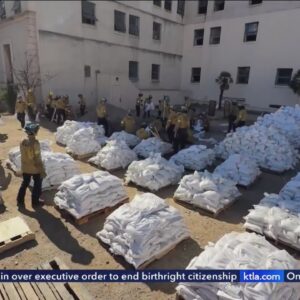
(60, 110)
(20, 110)
(128, 123)
(102, 115)
(82, 104)
(241, 117)
(181, 130)
(172, 117)
(138, 104)
(49, 108)
(31, 104)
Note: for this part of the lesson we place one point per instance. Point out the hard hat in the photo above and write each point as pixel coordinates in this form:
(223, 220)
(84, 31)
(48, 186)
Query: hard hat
(29, 90)
(31, 128)
(103, 99)
(50, 93)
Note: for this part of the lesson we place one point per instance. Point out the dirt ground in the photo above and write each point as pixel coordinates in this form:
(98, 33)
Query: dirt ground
(78, 246)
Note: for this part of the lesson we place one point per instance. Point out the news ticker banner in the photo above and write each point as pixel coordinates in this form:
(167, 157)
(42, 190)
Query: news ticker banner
(150, 276)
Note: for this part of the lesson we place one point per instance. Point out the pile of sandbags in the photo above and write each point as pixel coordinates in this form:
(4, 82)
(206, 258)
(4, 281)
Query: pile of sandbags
(241, 251)
(208, 191)
(239, 168)
(286, 120)
(130, 139)
(152, 145)
(291, 191)
(87, 193)
(198, 129)
(153, 173)
(65, 132)
(142, 229)
(196, 157)
(267, 146)
(116, 154)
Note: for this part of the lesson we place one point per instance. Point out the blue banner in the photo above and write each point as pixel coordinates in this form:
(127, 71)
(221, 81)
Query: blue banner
(261, 276)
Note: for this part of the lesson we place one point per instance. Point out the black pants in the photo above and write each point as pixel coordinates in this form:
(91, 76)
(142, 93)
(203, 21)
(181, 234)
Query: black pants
(36, 191)
(49, 111)
(148, 114)
(61, 116)
(159, 113)
(239, 124)
(180, 139)
(231, 120)
(31, 114)
(138, 110)
(144, 114)
(170, 133)
(21, 118)
(103, 122)
(82, 109)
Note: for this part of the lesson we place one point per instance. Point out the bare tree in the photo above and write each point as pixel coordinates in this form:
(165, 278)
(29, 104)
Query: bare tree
(224, 80)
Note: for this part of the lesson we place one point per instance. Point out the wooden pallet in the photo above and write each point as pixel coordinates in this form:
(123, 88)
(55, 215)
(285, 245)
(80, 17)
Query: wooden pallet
(14, 232)
(87, 218)
(195, 207)
(268, 171)
(45, 290)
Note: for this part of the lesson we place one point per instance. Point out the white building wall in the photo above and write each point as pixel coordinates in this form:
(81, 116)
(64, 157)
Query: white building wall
(277, 40)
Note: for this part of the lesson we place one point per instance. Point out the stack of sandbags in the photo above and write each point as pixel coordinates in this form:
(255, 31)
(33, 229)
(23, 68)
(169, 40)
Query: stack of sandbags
(239, 168)
(267, 146)
(154, 172)
(208, 191)
(143, 228)
(241, 251)
(196, 157)
(116, 154)
(152, 145)
(65, 132)
(286, 120)
(291, 191)
(199, 131)
(87, 193)
(130, 139)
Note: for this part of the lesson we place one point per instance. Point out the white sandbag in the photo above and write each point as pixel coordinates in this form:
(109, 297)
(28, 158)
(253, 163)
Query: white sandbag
(291, 191)
(239, 168)
(241, 251)
(130, 139)
(269, 148)
(152, 145)
(199, 131)
(196, 157)
(86, 193)
(154, 173)
(205, 190)
(142, 229)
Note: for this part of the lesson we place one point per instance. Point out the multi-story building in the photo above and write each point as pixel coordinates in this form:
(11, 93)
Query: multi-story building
(115, 49)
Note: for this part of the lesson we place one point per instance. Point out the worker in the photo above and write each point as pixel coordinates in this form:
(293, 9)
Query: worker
(142, 133)
(60, 110)
(157, 124)
(31, 104)
(233, 113)
(166, 109)
(171, 124)
(138, 104)
(49, 100)
(241, 118)
(102, 114)
(82, 104)
(181, 130)
(128, 123)
(20, 110)
(187, 103)
(31, 166)
(160, 108)
(149, 107)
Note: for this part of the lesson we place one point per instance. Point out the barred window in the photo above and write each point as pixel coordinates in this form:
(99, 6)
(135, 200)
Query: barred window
(157, 2)
(196, 75)
(134, 25)
(2, 9)
(87, 71)
(180, 7)
(155, 72)
(202, 6)
(168, 5)
(283, 76)
(215, 35)
(120, 24)
(17, 7)
(88, 12)
(219, 5)
(198, 37)
(250, 32)
(243, 75)
(156, 31)
(133, 73)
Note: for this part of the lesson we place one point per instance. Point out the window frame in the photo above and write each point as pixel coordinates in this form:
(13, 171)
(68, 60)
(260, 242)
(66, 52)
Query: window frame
(136, 64)
(193, 75)
(17, 7)
(156, 71)
(135, 32)
(239, 76)
(87, 71)
(195, 39)
(118, 13)
(277, 76)
(217, 3)
(86, 17)
(251, 2)
(180, 7)
(157, 3)
(246, 34)
(211, 36)
(154, 32)
(201, 7)
(169, 8)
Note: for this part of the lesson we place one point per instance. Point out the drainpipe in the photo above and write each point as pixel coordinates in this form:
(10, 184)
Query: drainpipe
(97, 72)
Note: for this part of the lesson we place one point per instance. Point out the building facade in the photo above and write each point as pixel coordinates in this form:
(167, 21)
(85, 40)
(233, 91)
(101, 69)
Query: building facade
(116, 49)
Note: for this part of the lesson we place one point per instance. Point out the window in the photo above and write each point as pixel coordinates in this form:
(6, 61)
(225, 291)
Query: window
(202, 6)
(17, 7)
(120, 24)
(283, 76)
(243, 75)
(180, 7)
(87, 71)
(2, 10)
(250, 32)
(196, 75)
(198, 37)
(215, 35)
(219, 5)
(157, 2)
(253, 2)
(134, 25)
(155, 72)
(168, 5)
(156, 31)
(88, 12)
(133, 70)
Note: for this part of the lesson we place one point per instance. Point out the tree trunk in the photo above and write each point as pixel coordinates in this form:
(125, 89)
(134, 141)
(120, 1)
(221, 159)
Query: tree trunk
(220, 99)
